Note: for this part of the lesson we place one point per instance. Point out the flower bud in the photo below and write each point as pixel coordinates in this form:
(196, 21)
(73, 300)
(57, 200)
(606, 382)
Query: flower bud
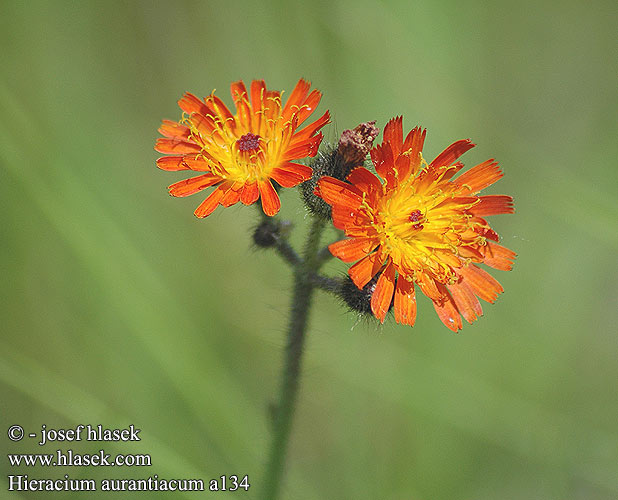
(267, 232)
(351, 151)
(354, 146)
(359, 300)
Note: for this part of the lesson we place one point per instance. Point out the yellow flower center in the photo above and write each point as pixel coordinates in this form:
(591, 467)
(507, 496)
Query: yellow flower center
(244, 149)
(420, 227)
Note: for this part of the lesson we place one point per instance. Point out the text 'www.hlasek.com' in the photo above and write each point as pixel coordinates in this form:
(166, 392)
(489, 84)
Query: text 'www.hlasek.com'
(71, 457)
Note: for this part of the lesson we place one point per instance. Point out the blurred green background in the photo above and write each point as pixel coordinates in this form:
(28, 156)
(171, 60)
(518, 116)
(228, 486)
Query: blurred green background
(119, 307)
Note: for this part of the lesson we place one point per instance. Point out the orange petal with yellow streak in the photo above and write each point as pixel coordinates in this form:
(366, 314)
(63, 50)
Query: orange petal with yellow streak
(483, 229)
(403, 167)
(449, 172)
(272, 104)
(198, 163)
(448, 257)
(205, 125)
(470, 252)
(222, 110)
(258, 89)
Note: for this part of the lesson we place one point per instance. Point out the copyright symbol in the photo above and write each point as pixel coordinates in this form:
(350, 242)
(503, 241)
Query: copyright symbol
(15, 433)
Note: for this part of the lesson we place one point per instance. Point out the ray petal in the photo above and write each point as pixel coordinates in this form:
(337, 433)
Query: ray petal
(405, 302)
(481, 282)
(465, 300)
(393, 133)
(479, 177)
(448, 313)
(383, 294)
(450, 154)
(493, 204)
(352, 249)
(296, 99)
(365, 269)
(250, 193)
(497, 256)
(209, 204)
(192, 185)
(270, 199)
(338, 193)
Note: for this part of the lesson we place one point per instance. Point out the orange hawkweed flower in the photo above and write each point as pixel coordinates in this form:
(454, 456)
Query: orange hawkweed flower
(242, 153)
(416, 225)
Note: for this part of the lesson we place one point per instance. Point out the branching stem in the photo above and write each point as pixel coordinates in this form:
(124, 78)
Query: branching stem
(305, 272)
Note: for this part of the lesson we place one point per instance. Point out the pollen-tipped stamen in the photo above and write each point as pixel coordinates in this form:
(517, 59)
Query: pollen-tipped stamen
(248, 142)
(416, 216)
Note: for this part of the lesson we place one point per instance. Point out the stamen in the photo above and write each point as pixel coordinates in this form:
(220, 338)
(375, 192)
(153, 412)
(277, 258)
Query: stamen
(416, 216)
(248, 142)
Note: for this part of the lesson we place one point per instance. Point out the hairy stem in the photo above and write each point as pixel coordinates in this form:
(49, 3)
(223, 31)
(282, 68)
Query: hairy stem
(304, 286)
(288, 253)
(330, 285)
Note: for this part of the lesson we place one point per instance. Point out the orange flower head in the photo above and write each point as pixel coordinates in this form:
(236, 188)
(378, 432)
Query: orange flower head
(240, 154)
(414, 224)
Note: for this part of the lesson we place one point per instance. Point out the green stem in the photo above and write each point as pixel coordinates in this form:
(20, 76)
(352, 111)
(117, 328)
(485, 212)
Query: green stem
(304, 287)
(288, 253)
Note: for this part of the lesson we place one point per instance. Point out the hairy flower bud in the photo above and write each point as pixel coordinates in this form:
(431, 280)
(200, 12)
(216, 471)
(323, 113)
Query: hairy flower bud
(358, 300)
(351, 151)
(267, 232)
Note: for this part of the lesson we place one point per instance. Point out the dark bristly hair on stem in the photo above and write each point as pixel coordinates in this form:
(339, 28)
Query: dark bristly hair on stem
(351, 152)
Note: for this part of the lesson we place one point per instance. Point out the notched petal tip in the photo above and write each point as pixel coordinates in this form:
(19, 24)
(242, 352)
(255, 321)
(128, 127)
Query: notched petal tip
(493, 204)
